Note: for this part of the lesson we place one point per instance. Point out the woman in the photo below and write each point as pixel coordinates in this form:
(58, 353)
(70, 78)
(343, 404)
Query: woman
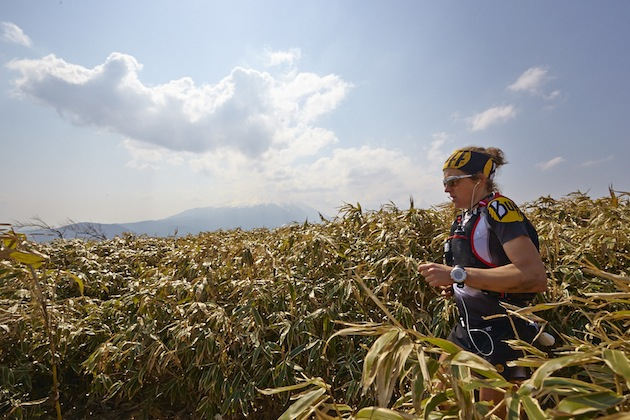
(491, 256)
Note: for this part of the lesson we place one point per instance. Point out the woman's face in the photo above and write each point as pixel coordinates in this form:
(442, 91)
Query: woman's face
(462, 190)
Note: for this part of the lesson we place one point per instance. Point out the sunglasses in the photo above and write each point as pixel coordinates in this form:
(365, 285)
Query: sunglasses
(451, 181)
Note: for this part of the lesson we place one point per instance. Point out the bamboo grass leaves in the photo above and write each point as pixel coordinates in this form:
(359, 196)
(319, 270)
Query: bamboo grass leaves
(326, 321)
(13, 248)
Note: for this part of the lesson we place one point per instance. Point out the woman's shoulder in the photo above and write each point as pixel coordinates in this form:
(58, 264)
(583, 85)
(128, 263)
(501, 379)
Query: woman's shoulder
(502, 209)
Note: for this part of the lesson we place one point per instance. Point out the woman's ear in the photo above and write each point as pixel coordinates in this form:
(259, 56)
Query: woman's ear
(481, 179)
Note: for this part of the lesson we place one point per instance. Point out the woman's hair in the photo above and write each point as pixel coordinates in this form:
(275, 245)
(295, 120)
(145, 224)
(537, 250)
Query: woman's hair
(495, 154)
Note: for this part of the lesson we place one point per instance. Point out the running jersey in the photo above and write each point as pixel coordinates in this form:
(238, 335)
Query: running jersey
(476, 240)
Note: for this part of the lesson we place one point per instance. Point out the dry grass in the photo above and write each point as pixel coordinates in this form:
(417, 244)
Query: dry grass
(242, 323)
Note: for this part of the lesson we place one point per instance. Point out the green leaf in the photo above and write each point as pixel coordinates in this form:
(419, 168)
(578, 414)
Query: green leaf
(78, 281)
(546, 369)
(581, 404)
(29, 258)
(512, 405)
(433, 402)
(11, 240)
(371, 359)
(380, 413)
(417, 390)
(532, 408)
(447, 346)
(305, 402)
(569, 386)
(257, 317)
(618, 362)
(473, 384)
(314, 381)
(384, 363)
(476, 363)
(619, 315)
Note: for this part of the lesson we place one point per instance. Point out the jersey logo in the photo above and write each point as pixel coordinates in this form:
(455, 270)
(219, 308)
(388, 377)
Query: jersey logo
(504, 210)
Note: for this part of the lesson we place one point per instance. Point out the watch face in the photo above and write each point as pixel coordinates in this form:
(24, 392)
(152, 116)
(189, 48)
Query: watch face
(458, 274)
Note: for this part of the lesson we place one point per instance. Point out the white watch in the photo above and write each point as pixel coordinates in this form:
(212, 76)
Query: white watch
(458, 275)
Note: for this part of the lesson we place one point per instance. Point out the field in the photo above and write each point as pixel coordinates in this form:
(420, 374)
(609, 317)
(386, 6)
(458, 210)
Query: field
(328, 320)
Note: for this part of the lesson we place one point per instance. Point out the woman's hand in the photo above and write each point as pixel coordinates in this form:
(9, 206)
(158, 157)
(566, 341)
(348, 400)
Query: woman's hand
(525, 274)
(436, 275)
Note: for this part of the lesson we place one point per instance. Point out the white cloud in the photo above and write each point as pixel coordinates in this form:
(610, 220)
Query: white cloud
(543, 166)
(253, 134)
(434, 152)
(553, 95)
(249, 111)
(491, 116)
(13, 34)
(366, 175)
(597, 162)
(148, 156)
(289, 57)
(532, 82)
(436, 156)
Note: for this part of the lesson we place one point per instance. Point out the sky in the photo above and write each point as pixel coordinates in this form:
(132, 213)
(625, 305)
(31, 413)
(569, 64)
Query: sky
(120, 111)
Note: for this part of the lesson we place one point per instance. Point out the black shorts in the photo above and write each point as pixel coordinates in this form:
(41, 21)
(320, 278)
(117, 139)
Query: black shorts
(488, 341)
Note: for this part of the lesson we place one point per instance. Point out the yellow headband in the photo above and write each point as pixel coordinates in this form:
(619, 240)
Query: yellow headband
(471, 163)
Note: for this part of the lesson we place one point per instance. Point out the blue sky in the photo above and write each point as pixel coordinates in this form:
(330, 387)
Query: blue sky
(121, 111)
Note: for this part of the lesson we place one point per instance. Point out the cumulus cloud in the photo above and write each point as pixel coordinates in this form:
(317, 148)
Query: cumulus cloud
(492, 116)
(367, 175)
(13, 34)
(253, 134)
(248, 111)
(543, 166)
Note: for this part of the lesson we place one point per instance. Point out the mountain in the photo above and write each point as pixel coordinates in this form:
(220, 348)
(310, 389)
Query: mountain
(191, 221)
(214, 218)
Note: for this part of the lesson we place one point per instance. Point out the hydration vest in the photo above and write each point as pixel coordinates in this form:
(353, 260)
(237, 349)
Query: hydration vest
(459, 248)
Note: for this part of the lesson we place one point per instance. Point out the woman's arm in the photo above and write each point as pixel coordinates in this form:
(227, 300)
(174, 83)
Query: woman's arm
(525, 274)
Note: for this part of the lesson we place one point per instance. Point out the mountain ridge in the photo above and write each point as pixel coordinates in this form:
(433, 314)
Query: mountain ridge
(189, 222)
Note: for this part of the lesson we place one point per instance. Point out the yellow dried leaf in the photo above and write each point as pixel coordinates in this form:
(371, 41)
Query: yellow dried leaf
(29, 258)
